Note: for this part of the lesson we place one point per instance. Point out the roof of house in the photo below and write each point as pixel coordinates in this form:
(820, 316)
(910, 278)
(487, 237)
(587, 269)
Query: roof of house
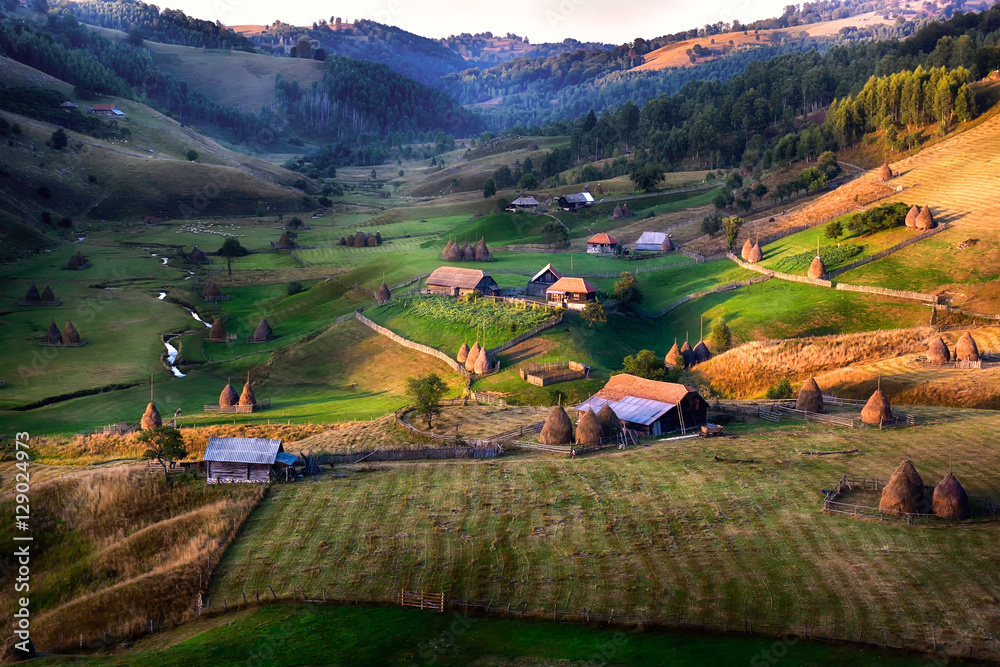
(454, 276)
(573, 285)
(104, 107)
(68, 105)
(623, 385)
(579, 198)
(643, 411)
(547, 267)
(525, 201)
(651, 238)
(603, 239)
(242, 450)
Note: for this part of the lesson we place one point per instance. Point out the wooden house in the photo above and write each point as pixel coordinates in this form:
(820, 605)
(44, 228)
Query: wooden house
(543, 280)
(68, 106)
(457, 281)
(602, 244)
(572, 293)
(230, 460)
(108, 111)
(523, 203)
(651, 241)
(648, 406)
(576, 201)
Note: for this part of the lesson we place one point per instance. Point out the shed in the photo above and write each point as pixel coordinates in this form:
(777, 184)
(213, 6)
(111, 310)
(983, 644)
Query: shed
(576, 201)
(651, 241)
(572, 293)
(542, 280)
(229, 460)
(108, 111)
(523, 203)
(457, 281)
(649, 406)
(601, 244)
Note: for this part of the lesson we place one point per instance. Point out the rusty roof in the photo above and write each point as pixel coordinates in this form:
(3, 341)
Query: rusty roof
(603, 239)
(572, 285)
(454, 276)
(623, 385)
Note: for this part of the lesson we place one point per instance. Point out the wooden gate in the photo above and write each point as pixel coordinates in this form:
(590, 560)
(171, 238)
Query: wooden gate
(422, 600)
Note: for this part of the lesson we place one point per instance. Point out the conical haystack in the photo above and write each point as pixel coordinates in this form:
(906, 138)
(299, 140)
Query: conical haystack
(218, 330)
(925, 220)
(247, 398)
(674, 357)
(383, 295)
(53, 336)
(687, 354)
(452, 252)
(609, 421)
(263, 332)
(904, 492)
(816, 270)
(228, 398)
(483, 363)
(701, 352)
(911, 216)
(468, 253)
(966, 348)
(877, 409)
(618, 213)
(284, 242)
(950, 500)
(197, 256)
(211, 291)
(598, 190)
(75, 262)
(48, 296)
(667, 244)
(588, 429)
(558, 429)
(470, 361)
(756, 255)
(937, 351)
(463, 354)
(70, 336)
(150, 418)
(482, 253)
(745, 253)
(885, 173)
(32, 294)
(810, 398)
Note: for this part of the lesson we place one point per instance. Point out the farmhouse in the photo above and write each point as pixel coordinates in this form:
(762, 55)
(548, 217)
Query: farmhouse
(542, 280)
(523, 204)
(653, 241)
(456, 281)
(108, 111)
(229, 460)
(576, 201)
(649, 406)
(572, 293)
(68, 106)
(601, 244)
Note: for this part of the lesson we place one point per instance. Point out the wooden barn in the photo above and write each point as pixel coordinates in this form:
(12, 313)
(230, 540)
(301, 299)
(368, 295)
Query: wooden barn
(231, 460)
(572, 293)
(523, 203)
(456, 281)
(543, 280)
(648, 406)
(577, 201)
(602, 244)
(651, 241)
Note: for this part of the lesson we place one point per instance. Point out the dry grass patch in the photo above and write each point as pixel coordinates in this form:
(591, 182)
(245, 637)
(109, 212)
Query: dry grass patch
(479, 421)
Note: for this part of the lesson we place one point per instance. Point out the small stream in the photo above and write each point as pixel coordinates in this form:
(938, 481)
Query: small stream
(171, 350)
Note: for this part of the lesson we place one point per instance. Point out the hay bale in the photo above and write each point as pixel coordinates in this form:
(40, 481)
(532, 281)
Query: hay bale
(950, 500)
(263, 332)
(925, 220)
(877, 409)
(481, 251)
(618, 212)
(218, 330)
(53, 336)
(349, 241)
(247, 398)
(468, 253)
(745, 253)
(667, 244)
(885, 173)
(674, 357)
(810, 398)
(228, 398)
(904, 492)
(598, 190)
(452, 252)
(558, 429)
(609, 421)
(911, 217)
(966, 348)
(463, 354)
(816, 269)
(150, 418)
(77, 261)
(211, 291)
(383, 295)
(69, 335)
(48, 296)
(701, 352)
(197, 256)
(756, 255)
(483, 363)
(588, 429)
(470, 361)
(937, 351)
(687, 354)
(360, 240)
(32, 294)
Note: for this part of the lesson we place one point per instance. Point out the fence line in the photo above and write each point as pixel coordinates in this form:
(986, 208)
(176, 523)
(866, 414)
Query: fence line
(888, 251)
(885, 291)
(494, 351)
(697, 295)
(454, 365)
(778, 274)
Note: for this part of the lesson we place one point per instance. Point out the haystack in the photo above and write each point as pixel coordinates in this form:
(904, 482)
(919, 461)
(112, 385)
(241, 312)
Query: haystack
(482, 253)
(816, 270)
(701, 352)
(150, 418)
(588, 429)
(609, 421)
(53, 336)
(687, 354)
(452, 252)
(48, 296)
(211, 291)
(598, 190)
(667, 244)
(197, 256)
(925, 220)
(483, 363)
(756, 255)
(383, 295)
(558, 429)
(885, 173)
(263, 332)
(950, 500)
(77, 261)
(911, 217)
(904, 492)
(247, 398)
(463, 353)
(966, 348)
(468, 253)
(745, 253)
(626, 211)
(218, 330)
(285, 242)
(674, 356)
(470, 361)
(228, 398)
(32, 294)
(618, 213)
(937, 351)
(877, 409)
(360, 239)
(810, 398)
(70, 336)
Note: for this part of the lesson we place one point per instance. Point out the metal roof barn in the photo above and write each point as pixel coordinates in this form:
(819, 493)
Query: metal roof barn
(631, 409)
(242, 450)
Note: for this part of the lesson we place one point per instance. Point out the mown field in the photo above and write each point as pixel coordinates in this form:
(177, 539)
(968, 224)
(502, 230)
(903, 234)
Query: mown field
(665, 530)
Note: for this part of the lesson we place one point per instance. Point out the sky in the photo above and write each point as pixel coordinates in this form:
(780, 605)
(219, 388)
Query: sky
(607, 21)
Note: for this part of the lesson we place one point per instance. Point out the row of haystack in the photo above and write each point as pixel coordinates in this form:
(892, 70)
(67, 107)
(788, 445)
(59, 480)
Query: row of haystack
(966, 349)
(68, 336)
(921, 219)
(751, 252)
(876, 412)
(361, 240)
(228, 398)
(687, 356)
(32, 295)
(475, 359)
(211, 291)
(77, 261)
(453, 252)
(590, 428)
(906, 494)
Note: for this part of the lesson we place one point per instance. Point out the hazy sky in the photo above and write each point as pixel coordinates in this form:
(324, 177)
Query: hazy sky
(610, 21)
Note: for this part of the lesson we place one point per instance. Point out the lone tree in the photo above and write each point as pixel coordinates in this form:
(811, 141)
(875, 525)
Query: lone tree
(648, 177)
(426, 393)
(731, 226)
(163, 442)
(59, 139)
(555, 234)
(627, 292)
(721, 337)
(489, 188)
(192, 155)
(593, 311)
(231, 248)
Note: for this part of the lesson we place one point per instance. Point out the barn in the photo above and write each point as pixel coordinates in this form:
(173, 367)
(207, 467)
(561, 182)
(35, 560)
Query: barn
(543, 280)
(651, 241)
(231, 460)
(648, 406)
(456, 281)
(577, 201)
(523, 203)
(573, 293)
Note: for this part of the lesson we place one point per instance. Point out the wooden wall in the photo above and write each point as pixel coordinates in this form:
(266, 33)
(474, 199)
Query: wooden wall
(218, 471)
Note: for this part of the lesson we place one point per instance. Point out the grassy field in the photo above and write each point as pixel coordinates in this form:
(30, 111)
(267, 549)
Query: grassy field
(778, 254)
(664, 530)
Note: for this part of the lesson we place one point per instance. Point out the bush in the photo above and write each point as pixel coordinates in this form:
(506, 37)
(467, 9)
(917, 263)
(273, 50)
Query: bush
(300, 184)
(294, 287)
(46, 217)
(192, 155)
(65, 223)
(879, 218)
(59, 139)
(834, 229)
(711, 224)
(783, 389)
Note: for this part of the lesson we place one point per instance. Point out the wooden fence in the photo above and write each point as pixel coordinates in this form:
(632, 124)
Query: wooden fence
(888, 251)
(421, 600)
(454, 365)
(699, 258)
(985, 509)
(574, 370)
(884, 291)
(239, 409)
(778, 274)
(697, 295)
(482, 450)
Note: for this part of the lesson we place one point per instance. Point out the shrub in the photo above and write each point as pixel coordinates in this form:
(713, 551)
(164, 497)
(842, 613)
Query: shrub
(294, 287)
(834, 229)
(879, 218)
(92, 178)
(783, 389)
(711, 224)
